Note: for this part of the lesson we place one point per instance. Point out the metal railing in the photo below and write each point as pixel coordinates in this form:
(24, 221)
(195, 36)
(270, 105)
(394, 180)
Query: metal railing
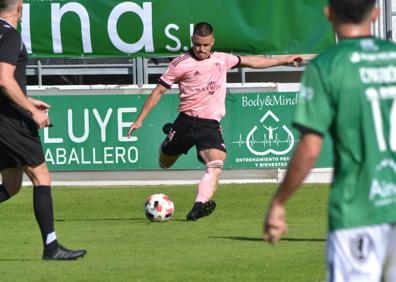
(139, 70)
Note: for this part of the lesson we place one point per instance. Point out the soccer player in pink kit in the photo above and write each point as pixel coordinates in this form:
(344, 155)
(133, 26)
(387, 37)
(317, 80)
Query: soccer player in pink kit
(201, 77)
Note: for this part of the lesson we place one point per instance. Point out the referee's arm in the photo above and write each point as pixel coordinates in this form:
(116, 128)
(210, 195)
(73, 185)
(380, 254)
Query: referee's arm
(13, 91)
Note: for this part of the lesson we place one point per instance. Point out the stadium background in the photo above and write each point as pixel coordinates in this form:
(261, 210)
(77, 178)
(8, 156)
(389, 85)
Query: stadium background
(97, 89)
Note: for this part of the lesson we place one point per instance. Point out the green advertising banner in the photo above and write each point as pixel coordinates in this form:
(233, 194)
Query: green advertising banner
(89, 132)
(67, 28)
(258, 131)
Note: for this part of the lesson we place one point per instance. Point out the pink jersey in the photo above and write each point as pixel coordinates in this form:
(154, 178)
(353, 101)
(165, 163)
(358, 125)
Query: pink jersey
(202, 83)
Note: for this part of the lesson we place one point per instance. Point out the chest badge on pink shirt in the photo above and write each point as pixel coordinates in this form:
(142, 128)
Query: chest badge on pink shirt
(218, 66)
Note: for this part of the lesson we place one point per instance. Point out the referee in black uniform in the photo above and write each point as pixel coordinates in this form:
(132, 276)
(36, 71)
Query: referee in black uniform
(20, 145)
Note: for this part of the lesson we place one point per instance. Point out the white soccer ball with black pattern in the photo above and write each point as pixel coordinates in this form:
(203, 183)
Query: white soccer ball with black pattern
(159, 207)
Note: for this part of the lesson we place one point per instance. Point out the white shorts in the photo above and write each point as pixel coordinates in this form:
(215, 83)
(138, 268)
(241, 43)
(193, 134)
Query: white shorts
(362, 254)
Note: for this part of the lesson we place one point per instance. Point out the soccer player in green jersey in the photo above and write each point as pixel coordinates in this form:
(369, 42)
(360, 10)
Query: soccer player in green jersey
(349, 90)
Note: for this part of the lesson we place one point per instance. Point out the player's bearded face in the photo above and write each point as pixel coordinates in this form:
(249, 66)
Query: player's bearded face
(202, 45)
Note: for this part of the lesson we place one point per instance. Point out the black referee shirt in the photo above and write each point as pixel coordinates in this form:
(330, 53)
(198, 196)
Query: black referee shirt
(13, 51)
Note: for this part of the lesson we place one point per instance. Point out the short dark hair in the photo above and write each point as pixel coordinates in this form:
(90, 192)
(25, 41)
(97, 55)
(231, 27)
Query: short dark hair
(203, 29)
(5, 4)
(351, 11)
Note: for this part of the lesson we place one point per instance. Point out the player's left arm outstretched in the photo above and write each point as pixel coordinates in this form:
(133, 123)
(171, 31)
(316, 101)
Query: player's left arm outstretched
(300, 164)
(260, 62)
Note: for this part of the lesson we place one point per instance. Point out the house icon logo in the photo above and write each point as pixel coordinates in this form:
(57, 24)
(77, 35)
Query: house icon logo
(270, 137)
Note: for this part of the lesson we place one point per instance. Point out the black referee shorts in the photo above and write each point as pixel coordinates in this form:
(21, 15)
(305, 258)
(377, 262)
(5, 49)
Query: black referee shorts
(188, 131)
(20, 144)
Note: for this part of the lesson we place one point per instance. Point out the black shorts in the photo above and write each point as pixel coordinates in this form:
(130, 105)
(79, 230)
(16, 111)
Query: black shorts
(20, 143)
(188, 131)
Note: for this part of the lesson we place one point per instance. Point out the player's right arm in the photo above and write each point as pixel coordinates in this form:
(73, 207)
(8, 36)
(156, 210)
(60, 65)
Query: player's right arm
(149, 104)
(302, 161)
(170, 77)
(14, 92)
(313, 124)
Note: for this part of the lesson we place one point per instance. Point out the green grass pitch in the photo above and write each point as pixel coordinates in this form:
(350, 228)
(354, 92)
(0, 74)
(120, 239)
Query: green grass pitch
(124, 246)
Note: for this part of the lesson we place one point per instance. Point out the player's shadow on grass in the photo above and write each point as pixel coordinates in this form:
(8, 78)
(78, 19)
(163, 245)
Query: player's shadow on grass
(9, 259)
(143, 219)
(255, 239)
(101, 219)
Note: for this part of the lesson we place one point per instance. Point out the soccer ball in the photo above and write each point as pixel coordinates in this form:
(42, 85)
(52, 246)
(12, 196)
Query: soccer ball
(159, 207)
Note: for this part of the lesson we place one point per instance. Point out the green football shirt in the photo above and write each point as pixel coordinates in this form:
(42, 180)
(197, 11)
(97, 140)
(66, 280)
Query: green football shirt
(350, 91)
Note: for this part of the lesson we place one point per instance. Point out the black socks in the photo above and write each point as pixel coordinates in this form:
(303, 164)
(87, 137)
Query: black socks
(4, 196)
(42, 204)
